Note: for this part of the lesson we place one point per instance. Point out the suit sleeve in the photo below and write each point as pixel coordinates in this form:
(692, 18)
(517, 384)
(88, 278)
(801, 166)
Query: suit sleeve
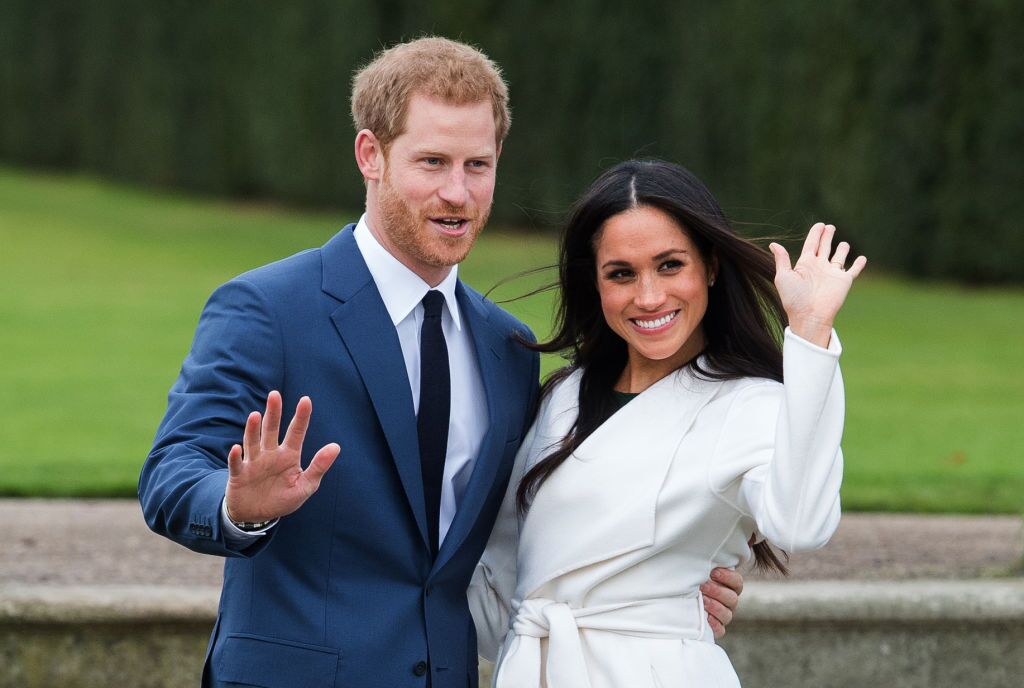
(235, 360)
(494, 580)
(782, 444)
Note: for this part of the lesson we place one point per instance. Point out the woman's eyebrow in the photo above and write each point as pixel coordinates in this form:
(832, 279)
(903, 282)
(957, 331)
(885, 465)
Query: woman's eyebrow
(666, 254)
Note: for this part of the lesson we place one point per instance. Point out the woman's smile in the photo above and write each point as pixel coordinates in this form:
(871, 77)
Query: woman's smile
(655, 324)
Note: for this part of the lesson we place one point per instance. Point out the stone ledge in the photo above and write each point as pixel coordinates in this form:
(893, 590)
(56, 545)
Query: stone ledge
(102, 604)
(840, 634)
(968, 602)
(965, 602)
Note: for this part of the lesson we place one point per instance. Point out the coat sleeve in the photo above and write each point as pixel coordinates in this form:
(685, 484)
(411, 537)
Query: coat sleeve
(235, 360)
(778, 458)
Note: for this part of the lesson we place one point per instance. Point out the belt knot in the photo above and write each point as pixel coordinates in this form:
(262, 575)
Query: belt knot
(536, 618)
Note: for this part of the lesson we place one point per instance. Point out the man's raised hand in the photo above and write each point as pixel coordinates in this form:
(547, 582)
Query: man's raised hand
(265, 479)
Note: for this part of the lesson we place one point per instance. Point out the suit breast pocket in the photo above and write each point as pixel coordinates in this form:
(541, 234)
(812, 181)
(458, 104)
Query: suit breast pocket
(275, 663)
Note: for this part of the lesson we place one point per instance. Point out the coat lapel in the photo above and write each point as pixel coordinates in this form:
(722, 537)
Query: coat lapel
(601, 502)
(368, 334)
(489, 345)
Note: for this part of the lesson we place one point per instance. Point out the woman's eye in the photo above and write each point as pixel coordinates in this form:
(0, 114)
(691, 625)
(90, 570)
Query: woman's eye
(669, 265)
(619, 275)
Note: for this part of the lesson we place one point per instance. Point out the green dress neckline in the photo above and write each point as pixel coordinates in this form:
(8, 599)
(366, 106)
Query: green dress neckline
(623, 398)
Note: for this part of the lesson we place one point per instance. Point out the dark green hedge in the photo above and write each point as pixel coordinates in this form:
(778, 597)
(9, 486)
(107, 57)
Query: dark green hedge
(902, 122)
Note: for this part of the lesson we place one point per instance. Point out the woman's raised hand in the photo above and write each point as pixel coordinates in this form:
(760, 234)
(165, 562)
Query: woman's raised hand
(813, 290)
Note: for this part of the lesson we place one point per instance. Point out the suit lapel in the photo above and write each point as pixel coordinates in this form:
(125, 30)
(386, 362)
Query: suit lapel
(368, 334)
(489, 345)
(601, 502)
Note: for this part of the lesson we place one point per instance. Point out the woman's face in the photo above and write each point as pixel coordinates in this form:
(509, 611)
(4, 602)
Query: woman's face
(653, 286)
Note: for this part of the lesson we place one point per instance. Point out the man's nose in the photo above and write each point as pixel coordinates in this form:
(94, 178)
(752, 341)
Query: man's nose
(454, 191)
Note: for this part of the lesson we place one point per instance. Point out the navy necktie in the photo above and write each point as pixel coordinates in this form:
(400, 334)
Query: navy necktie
(434, 409)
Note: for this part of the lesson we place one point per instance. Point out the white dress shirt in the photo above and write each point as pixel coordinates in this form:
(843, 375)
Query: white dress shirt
(402, 291)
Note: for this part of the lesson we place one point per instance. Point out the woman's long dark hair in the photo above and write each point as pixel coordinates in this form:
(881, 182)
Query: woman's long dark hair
(742, 325)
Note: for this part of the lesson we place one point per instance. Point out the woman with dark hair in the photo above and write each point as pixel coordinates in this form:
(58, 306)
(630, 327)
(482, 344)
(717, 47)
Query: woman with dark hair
(669, 443)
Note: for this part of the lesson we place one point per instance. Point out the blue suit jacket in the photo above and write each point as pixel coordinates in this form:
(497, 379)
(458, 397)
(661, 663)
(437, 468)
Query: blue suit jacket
(343, 592)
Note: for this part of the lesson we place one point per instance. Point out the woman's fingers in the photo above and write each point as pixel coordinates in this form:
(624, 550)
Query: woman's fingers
(857, 266)
(782, 262)
(810, 248)
(839, 257)
(271, 421)
(825, 245)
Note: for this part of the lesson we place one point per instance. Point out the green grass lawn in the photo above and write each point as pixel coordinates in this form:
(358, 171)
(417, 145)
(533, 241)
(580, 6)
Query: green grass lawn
(101, 287)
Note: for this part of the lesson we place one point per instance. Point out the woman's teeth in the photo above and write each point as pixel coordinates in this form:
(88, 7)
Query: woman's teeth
(652, 324)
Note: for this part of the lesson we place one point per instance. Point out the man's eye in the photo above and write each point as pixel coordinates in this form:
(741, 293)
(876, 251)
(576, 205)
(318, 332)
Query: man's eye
(433, 162)
(478, 164)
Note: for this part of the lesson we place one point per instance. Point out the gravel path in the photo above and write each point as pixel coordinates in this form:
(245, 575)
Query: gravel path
(96, 542)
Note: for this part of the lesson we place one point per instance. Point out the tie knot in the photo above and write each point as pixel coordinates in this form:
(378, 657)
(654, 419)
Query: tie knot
(432, 303)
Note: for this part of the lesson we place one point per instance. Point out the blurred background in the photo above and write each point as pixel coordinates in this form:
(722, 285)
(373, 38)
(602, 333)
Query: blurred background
(150, 151)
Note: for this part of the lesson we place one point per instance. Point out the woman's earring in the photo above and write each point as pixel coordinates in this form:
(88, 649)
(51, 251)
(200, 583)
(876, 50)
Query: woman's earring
(711, 282)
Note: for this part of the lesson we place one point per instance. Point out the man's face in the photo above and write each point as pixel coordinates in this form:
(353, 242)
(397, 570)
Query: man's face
(435, 193)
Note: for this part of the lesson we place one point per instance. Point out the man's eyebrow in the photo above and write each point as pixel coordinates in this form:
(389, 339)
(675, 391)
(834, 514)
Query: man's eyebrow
(431, 153)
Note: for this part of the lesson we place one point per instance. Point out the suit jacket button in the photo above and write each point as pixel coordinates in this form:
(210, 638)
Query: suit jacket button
(420, 668)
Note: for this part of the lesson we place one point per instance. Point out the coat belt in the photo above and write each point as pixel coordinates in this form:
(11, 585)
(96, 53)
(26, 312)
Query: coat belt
(536, 618)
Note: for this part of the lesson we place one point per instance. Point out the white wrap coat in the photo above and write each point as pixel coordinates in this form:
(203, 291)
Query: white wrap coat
(598, 587)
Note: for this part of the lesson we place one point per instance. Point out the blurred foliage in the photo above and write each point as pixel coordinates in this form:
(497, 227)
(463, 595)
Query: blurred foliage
(901, 122)
(102, 285)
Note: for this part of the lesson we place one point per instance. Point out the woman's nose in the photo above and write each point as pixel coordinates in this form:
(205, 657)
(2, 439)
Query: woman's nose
(650, 295)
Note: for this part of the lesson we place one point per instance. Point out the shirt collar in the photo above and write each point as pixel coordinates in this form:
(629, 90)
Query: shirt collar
(400, 288)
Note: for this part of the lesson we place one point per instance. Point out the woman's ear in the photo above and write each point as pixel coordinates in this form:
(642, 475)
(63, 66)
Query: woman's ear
(369, 155)
(712, 271)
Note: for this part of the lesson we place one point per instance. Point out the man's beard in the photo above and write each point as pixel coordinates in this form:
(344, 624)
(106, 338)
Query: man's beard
(409, 233)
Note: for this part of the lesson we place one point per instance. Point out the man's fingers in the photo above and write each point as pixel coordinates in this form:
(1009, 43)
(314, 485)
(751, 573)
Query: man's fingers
(722, 595)
(271, 421)
(300, 423)
(717, 610)
(320, 464)
(716, 627)
(235, 460)
(857, 266)
(810, 248)
(251, 437)
(730, 578)
(782, 262)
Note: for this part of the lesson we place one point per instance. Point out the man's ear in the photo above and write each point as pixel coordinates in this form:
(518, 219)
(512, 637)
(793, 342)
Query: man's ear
(369, 155)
